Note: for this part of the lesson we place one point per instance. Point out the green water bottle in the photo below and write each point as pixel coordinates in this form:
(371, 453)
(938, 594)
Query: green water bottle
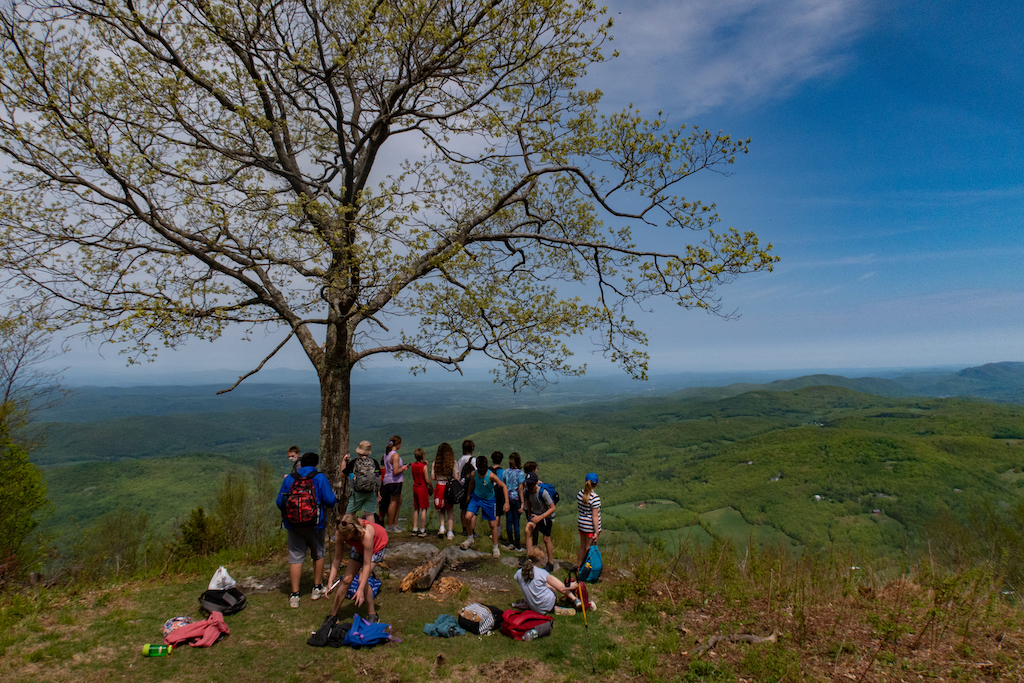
(157, 650)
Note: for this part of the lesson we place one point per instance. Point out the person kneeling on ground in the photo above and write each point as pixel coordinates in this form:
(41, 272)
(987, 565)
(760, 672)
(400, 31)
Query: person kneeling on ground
(541, 588)
(369, 542)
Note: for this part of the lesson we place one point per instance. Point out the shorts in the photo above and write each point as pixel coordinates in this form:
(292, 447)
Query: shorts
(357, 555)
(543, 526)
(484, 507)
(420, 497)
(393, 490)
(302, 539)
(362, 501)
(439, 496)
(588, 534)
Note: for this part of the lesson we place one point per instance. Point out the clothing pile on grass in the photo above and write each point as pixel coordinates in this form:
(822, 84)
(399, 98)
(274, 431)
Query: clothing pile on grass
(220, 599)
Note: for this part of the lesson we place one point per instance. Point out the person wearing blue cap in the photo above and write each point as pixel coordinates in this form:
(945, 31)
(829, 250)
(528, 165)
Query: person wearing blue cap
(588, 520)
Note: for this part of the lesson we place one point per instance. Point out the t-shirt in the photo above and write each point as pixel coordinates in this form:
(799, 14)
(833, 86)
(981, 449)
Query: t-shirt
(535, 505)
(538, 594)
(483, 488)
(585, 516)
(462, 463)
(513, 478)
(380, 538)
(419, 474)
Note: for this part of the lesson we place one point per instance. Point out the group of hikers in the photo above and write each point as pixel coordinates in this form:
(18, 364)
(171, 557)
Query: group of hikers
(372, 496)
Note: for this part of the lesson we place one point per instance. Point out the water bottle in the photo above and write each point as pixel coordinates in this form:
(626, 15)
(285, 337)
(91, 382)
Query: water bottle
(156, 650)
(530, 635)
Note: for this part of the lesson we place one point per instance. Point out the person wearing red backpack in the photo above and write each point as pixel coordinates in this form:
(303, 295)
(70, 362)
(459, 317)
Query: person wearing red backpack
(302, 499)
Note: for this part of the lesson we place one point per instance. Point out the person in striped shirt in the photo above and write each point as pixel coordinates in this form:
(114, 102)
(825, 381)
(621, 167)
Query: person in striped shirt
(588, 520)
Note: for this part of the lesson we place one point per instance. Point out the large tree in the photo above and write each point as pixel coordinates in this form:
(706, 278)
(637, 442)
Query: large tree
(419, 178)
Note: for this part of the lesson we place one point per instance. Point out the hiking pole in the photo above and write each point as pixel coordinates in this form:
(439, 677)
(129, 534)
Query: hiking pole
(586, 626)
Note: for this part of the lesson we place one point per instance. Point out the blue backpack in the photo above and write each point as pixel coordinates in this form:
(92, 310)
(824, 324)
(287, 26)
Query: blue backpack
(592, 565)
(544, 486)
(365, 634)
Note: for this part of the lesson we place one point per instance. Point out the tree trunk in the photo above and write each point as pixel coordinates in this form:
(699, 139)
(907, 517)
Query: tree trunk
(335, 392)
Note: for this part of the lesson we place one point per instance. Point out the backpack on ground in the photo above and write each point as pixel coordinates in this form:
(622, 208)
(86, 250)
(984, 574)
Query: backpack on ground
(365, 634)
(517, 623)
(364, 473)
(330, 634)
(226, 601)
(544, 486)
(480, 619)
(592, 565)
(300, 505)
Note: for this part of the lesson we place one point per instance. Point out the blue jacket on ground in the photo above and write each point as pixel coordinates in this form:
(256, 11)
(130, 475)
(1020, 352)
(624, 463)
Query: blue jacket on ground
(324, 494)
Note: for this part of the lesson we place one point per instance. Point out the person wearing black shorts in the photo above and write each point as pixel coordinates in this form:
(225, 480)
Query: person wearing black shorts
(540, 510)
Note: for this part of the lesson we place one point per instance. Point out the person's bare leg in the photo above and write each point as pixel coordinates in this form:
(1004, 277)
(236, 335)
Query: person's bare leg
(550, 547)
(295, 573)
(371, 609)
(494, 532)
(350, 573)
(529, 537)
(318, 572)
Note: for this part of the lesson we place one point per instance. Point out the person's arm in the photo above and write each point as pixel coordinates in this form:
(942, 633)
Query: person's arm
(550, 512)
(504, 488)
(560, 587)
(396, 463)
(285, 487)
(325, 490)
(595, 511)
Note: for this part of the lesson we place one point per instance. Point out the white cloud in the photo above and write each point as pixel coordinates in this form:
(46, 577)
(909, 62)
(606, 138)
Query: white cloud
(703, 54)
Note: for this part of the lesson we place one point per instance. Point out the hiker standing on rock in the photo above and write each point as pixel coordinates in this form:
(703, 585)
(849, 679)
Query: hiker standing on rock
(588, 516)
(422, 487)
(541, 588)
(540, 509)
(514, 478)
(302, 500)
(368, 542)
(482, 502)
(393, 479)
(444, 471)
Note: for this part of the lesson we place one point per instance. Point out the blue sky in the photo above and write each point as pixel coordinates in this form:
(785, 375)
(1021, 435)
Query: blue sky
(886, 167)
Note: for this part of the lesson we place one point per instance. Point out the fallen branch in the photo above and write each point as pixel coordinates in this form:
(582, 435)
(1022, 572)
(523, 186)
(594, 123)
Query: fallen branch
(422, 578)
(734, 638)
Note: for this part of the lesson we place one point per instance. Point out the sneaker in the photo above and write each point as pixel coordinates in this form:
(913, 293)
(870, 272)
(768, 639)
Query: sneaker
(293, 600)
(423, 534)
(564, 612)
(549, 567)
(468, 543)
(495, 552)
(374, 619)
(451, 535)
(510, 548)
(318, 592)
(440, 532)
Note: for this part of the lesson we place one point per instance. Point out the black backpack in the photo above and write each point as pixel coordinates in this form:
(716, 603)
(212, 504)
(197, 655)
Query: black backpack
(454, 492)
(226, 601)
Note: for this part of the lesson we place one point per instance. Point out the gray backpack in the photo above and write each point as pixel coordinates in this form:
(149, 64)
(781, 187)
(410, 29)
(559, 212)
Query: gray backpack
(365, 474)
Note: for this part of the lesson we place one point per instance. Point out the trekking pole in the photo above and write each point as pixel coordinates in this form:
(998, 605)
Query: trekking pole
(586, 626)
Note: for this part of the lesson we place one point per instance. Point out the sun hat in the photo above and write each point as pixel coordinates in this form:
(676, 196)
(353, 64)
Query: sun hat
(364, 448)
(592, 478)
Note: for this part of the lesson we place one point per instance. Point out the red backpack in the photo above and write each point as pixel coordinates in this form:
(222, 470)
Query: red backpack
(516, 624)
(300, 504)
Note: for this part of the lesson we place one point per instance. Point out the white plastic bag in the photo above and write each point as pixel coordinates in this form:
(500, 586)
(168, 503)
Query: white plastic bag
(221, 580)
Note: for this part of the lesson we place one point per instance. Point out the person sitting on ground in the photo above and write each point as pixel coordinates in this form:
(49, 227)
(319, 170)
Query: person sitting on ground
(541, 588)
(588, 517)
(301, 538)
(368, 542)
(483, 502)
(540, 510)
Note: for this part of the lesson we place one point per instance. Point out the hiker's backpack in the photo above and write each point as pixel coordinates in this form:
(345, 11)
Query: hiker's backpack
(300, 505)
(454, 492)
(364, 474)
(516, 623)
(544, 486)
(365, 634)
(480, 619)
(226, 601)
(592, 565)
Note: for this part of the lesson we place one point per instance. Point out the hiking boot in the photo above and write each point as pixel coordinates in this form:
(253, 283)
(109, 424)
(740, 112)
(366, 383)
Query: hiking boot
(293, 600)
(318, 592)
(495, 552)
(564, 612)
(451, 535)
(468, 543)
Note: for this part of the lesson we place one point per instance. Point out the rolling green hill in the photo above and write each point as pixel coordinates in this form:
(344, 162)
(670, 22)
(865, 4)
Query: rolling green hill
(819, 467)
